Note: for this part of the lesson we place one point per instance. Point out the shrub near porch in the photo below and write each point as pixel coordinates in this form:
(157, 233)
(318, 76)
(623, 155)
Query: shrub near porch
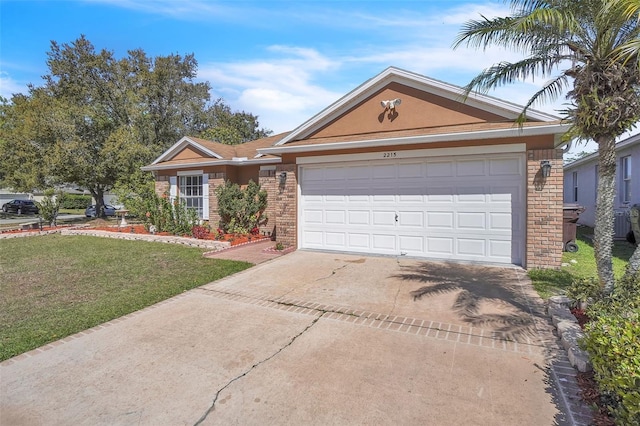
(241, 210)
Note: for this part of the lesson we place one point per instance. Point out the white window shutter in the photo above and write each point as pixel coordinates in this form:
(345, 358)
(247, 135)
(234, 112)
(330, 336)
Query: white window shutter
(205, 196)
(173, 188)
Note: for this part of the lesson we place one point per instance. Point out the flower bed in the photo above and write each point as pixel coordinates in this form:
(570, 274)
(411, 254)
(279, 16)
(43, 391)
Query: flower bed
(234, 239)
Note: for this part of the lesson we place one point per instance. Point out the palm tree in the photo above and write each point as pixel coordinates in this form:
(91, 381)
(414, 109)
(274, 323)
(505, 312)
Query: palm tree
(577, 44)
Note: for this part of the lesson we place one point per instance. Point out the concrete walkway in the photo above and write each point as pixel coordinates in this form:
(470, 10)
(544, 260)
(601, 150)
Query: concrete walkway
(309, 338)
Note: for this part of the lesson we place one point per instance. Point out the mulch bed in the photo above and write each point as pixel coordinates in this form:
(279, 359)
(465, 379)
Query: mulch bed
(234, 239)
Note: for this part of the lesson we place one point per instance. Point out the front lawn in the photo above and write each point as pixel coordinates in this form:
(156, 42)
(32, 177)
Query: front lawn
(54, 286)
(549, 282)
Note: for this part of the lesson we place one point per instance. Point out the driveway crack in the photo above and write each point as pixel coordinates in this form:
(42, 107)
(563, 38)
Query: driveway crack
(230, 382)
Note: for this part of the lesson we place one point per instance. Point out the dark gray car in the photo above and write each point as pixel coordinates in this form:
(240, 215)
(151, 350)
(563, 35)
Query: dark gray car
(20, 207)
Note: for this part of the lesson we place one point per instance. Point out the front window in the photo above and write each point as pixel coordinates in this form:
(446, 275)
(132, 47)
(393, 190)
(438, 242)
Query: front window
(575, 187)
(191, 192)
(626, 179)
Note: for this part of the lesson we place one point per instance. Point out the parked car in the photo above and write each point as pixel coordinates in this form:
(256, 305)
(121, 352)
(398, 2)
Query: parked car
(109, 210)
(20, 207)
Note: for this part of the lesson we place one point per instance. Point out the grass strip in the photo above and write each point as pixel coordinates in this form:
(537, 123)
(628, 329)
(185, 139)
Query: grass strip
(54, 286)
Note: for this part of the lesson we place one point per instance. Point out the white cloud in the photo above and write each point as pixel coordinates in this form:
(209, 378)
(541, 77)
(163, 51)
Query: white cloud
(8, 86)
(281, 91)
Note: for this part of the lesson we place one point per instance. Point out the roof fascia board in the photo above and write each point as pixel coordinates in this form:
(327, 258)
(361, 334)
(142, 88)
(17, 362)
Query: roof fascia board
(619, 146)
(248, 162)
(416, 81)
(413, 140)
(180, 145)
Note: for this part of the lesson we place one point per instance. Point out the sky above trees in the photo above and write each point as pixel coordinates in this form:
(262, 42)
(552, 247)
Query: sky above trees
(282, 60)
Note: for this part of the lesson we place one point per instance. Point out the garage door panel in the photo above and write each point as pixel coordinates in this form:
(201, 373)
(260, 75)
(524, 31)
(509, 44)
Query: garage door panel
(383, 173)
(471, 220)
(458, 208)
(440, 245)
(501, 221)
(439, 195)
(359, 173)
(411, 244)
(411, 219)
(469, 168)
(439, 169)
(335, 239)
(500, 248)
(384, 218)
(384, 242)
(334, 199)
(359, 217)
(442, 220)
(313, 216)
(335, 217)
(471, 246)
(505, 167)
(313, 239)
(408, 171)
(359, 241)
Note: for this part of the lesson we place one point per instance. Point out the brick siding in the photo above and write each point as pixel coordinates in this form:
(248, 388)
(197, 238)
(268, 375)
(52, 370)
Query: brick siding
(544, 210)
(215, 180)
(269, 182)
(162, 185)
(287, 207)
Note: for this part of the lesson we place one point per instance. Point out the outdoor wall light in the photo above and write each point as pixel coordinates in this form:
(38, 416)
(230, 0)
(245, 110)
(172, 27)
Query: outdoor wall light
(545, 166)
(282, 178)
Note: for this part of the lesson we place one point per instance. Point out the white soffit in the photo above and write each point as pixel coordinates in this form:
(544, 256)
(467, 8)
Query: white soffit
(551, 129)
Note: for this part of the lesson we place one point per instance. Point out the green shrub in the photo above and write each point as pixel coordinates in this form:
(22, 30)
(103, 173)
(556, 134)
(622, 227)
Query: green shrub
(584, 289)
(75, 201)
(169, 216)
(50, 205)
(613, 342)
(241, 210)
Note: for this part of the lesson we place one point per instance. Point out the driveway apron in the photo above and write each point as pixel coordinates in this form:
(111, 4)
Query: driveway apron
(308, 338)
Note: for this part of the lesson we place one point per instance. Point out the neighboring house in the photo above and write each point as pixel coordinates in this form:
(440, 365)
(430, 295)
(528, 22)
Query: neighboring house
(433, 176)
(581, 182)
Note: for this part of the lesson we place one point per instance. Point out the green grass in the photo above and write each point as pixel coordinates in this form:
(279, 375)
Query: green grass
(55, 286)
(549, 282)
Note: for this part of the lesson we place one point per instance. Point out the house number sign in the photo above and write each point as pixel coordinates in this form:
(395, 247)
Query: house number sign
(389, 155)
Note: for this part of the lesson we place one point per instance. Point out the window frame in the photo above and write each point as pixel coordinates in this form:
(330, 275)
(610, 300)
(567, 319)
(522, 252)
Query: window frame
(625, 179)
(186, 188)
(574, 177)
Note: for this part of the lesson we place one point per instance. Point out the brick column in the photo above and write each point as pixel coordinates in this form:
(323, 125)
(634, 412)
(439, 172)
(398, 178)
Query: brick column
(544, 210)
(287, 206)
(269, 182)
(162, 185)
(215, 180)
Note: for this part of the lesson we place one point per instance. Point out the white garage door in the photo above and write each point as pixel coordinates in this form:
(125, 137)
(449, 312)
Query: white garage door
(464, 208)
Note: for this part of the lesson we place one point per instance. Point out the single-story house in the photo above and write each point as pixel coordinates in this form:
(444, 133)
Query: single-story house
(401, 165)
(581, 182)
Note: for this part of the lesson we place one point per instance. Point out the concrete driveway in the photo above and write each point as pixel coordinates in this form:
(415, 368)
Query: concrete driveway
(308, 338)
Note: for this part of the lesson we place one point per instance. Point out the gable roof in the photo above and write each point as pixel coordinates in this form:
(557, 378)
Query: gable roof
(630, 141)
(215, 153)
(508, 110)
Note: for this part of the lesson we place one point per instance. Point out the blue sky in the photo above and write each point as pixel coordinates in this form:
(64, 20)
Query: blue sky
(282, 60)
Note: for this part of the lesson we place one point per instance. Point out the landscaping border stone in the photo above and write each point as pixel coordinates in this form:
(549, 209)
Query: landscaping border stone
(569, 332)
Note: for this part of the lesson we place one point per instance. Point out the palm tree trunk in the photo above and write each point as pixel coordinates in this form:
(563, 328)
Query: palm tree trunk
(603, 238)
(634, 264)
